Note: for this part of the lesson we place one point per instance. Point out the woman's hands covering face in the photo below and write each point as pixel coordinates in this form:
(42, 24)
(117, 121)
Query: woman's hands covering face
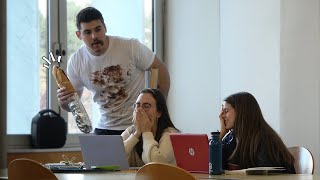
(142, 122)
(223, 129)
(136, 125)
(145, 122)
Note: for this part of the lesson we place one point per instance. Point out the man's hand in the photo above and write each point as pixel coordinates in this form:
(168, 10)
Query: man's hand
(63, 96)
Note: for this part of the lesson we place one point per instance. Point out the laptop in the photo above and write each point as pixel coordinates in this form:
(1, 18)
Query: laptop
(191, 152)
(103, 150)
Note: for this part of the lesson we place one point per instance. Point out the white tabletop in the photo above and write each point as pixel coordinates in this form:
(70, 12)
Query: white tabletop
(130, 175)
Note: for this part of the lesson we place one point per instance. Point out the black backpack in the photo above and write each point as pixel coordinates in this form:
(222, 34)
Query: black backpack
(48, 130)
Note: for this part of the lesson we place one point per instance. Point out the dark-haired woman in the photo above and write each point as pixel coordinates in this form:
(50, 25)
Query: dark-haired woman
(148, 139)
(248, 140)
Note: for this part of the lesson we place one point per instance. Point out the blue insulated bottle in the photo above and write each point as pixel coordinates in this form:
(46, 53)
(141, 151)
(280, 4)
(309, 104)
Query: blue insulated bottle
(215, 154)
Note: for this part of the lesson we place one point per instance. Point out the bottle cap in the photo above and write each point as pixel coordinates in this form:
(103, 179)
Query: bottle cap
(215, 133)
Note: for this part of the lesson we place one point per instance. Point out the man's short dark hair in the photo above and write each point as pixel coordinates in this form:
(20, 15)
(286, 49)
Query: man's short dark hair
(88, 14)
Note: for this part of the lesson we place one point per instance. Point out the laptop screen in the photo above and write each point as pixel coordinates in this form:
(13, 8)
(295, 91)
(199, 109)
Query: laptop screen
(103, 150)
(191, 151)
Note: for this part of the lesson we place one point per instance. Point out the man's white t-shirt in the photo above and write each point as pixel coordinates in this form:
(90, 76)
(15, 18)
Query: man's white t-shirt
(114, 78)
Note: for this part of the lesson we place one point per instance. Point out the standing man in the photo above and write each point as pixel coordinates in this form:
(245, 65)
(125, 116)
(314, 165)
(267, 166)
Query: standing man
(113, 69)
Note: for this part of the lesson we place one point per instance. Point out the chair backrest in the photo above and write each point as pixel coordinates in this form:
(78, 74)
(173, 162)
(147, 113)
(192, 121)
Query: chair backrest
(304, 163)
(159, 171)
(154, 78)
(20, 169)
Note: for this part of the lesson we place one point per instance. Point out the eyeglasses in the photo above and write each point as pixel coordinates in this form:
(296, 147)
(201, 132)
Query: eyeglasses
(145, 106)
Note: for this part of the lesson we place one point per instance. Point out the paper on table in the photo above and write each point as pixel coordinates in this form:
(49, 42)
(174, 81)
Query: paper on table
(266, 168)
(231, 172)
(255, 170)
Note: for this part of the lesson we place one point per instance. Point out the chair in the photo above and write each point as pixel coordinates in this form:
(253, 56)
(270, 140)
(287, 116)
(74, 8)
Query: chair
(159, 171)
(22, 168)
(304, 163)
(154, 78)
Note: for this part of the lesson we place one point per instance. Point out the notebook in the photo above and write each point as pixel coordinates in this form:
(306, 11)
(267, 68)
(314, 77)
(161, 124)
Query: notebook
(103, 151)
(191, 151)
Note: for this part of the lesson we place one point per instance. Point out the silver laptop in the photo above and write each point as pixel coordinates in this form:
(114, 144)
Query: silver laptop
(103, 150)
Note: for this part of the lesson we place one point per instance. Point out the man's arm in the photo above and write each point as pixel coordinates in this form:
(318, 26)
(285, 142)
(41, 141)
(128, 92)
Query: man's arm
(164, 77)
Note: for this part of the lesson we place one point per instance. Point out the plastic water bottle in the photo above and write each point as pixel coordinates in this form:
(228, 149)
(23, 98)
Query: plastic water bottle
(215, 154)
(80, 114)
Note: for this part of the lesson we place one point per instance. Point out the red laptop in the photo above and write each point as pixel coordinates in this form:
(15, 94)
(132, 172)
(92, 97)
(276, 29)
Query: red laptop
(191, 151)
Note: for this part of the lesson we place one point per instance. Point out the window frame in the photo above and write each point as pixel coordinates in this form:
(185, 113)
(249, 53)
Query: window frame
(3, 81)
(57, 14)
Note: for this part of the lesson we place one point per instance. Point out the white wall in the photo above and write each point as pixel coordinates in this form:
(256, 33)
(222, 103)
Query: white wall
(250, 45)
(192, 55)
(268, 47)
(300, 75)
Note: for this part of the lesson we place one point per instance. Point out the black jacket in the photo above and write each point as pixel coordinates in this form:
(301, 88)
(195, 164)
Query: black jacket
(228, 146)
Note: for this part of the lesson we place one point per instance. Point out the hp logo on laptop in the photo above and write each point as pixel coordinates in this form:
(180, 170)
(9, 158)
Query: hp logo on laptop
(191, 151)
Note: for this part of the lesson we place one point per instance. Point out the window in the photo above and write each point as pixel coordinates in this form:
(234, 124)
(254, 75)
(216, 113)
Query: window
(33, 32)
(26, 77)
(133, 19)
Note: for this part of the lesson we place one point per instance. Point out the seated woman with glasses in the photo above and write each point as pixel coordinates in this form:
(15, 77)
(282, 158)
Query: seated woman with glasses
(147, 140)
(247, 139)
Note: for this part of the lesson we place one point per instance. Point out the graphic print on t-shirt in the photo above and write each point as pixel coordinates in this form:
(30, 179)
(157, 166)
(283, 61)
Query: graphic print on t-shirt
(111, 82)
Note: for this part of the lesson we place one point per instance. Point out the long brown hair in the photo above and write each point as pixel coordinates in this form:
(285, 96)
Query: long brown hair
(164, 121)
(251, 131)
